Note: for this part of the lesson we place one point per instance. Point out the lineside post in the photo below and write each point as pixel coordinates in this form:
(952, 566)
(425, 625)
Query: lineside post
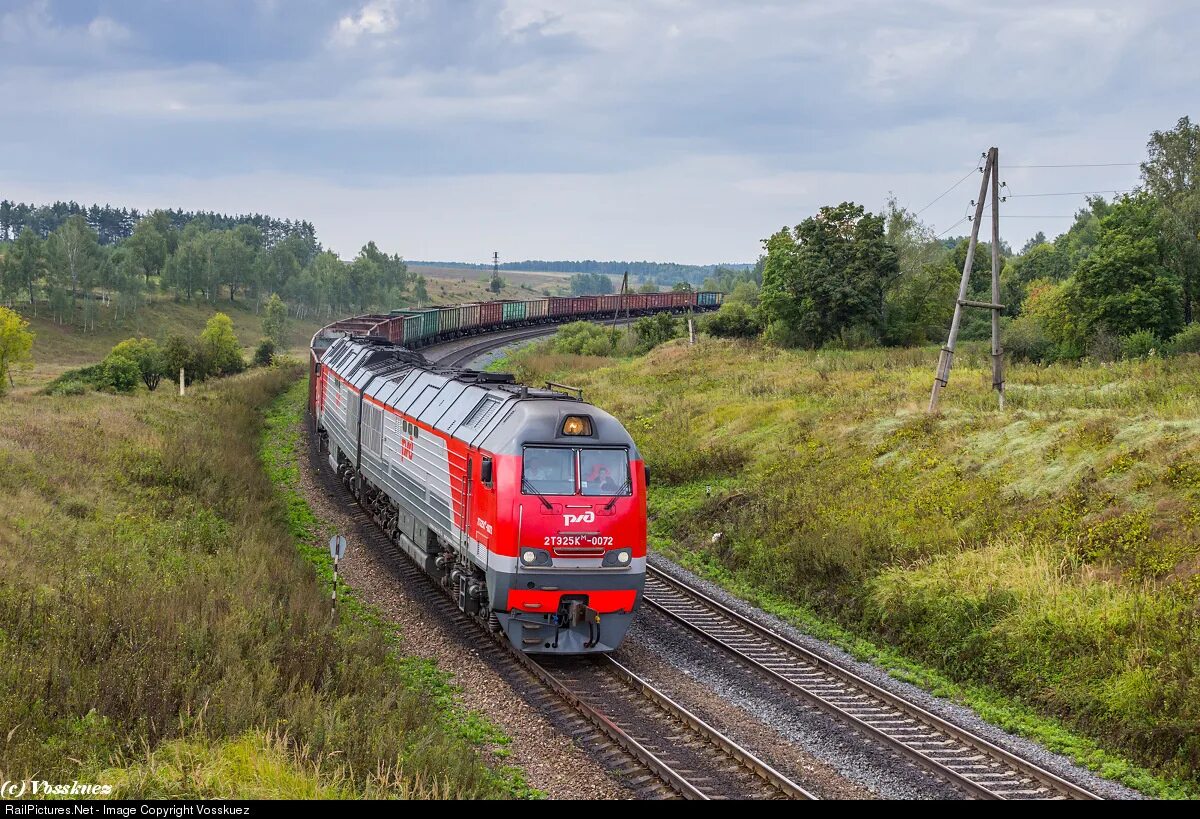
(337, 550)
(946, 358)
(997, 351)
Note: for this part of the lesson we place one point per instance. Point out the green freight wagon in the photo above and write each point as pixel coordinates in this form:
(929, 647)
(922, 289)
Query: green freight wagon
(412, 330)
(513, 311)
(429, 321)
(449, 320)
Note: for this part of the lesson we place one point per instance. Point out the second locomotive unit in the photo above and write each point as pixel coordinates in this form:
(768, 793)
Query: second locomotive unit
(528, 505)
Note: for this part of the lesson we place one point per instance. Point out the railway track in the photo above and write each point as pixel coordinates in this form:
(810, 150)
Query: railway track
(461, 356)
(695, 759)
(979, 767)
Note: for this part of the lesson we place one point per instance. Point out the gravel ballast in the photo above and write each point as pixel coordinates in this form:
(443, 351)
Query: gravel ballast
(957, 714)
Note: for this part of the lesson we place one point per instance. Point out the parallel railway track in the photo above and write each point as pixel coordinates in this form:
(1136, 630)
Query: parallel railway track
(981, 768)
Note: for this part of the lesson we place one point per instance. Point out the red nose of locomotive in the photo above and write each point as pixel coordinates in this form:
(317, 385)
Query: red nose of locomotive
(580, 520)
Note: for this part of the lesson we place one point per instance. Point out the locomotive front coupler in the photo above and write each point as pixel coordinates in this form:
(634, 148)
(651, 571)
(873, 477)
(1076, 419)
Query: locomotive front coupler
(574, 611)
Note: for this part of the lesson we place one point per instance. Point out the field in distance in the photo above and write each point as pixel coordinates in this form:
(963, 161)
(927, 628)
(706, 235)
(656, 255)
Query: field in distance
(450, 285)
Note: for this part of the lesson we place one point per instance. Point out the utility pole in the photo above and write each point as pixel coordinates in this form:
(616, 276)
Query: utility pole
(621, 302)
(997, 351)
(991, 175)
(495, 283)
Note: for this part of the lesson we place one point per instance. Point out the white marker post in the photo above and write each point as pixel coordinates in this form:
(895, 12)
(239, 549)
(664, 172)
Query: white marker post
(181, 381)
(337, 550)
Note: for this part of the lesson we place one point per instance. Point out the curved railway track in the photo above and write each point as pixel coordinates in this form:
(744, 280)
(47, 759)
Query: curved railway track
(461, 356)
(981, 768)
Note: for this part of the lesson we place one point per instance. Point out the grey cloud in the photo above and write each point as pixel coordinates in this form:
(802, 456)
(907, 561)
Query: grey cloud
(838, 99)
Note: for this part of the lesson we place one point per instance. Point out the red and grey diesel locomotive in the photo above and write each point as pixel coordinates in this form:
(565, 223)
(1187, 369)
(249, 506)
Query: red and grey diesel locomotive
(528, 505)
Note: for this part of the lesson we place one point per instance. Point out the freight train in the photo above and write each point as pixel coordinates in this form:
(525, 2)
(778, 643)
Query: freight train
(528, 505)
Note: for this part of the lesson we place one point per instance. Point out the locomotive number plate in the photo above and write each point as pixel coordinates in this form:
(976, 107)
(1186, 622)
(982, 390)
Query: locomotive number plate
(577, 540)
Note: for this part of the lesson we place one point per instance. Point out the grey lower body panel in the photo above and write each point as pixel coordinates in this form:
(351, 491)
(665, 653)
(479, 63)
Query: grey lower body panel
(538, 633)
(534, 634)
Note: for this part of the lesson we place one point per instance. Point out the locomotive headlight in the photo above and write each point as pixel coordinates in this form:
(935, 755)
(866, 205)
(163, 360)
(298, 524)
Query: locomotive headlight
(618, 558)
(577, 425)
(536, 557)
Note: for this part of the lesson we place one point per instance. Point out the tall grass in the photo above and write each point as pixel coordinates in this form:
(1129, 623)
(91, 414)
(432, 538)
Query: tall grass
(151, 593)
(1050, 551)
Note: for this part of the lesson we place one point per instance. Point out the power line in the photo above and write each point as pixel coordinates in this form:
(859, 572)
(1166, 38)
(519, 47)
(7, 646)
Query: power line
(1068, 193)
(952, 227)
(1081, 165)
(943, 193)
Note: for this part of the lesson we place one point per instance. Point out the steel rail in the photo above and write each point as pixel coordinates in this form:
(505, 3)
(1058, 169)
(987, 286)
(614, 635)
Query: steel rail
(723, 742)
(808, 674)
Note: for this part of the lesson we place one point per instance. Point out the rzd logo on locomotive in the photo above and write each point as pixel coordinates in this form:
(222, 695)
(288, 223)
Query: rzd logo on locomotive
(586, 517)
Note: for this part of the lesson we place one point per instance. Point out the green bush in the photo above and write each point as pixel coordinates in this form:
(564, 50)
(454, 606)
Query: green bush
(147, 355)
(856, 337)
(265, 353)
(1141, 344)
(654, 330)
(583, 338)
(1186, 340)
(91, 376)
(121, 373)
(181, 353)
(735, 319)
(1025, 340)
(72, 387)
(222, 352)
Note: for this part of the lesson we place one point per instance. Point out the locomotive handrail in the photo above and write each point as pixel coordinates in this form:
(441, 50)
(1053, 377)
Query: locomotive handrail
(565, 388)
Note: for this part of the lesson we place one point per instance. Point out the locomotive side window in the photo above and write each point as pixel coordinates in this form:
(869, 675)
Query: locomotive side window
(549, 471)
(604, 472)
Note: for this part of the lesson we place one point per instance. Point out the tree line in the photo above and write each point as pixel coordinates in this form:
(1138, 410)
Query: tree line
(114, 224)
(75, 275)
(665, 273)
(1123, 280)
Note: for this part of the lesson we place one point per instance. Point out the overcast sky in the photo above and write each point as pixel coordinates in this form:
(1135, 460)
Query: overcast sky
(670, 130)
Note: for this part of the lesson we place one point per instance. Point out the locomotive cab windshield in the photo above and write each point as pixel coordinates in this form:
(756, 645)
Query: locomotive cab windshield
(576, 471)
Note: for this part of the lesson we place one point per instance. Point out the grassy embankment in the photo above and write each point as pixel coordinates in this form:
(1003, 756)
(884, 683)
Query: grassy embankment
(163, 634)
(59, 347)
(1040, 564)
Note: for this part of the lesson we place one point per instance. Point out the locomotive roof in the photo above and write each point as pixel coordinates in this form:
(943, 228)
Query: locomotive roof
(484, 409)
